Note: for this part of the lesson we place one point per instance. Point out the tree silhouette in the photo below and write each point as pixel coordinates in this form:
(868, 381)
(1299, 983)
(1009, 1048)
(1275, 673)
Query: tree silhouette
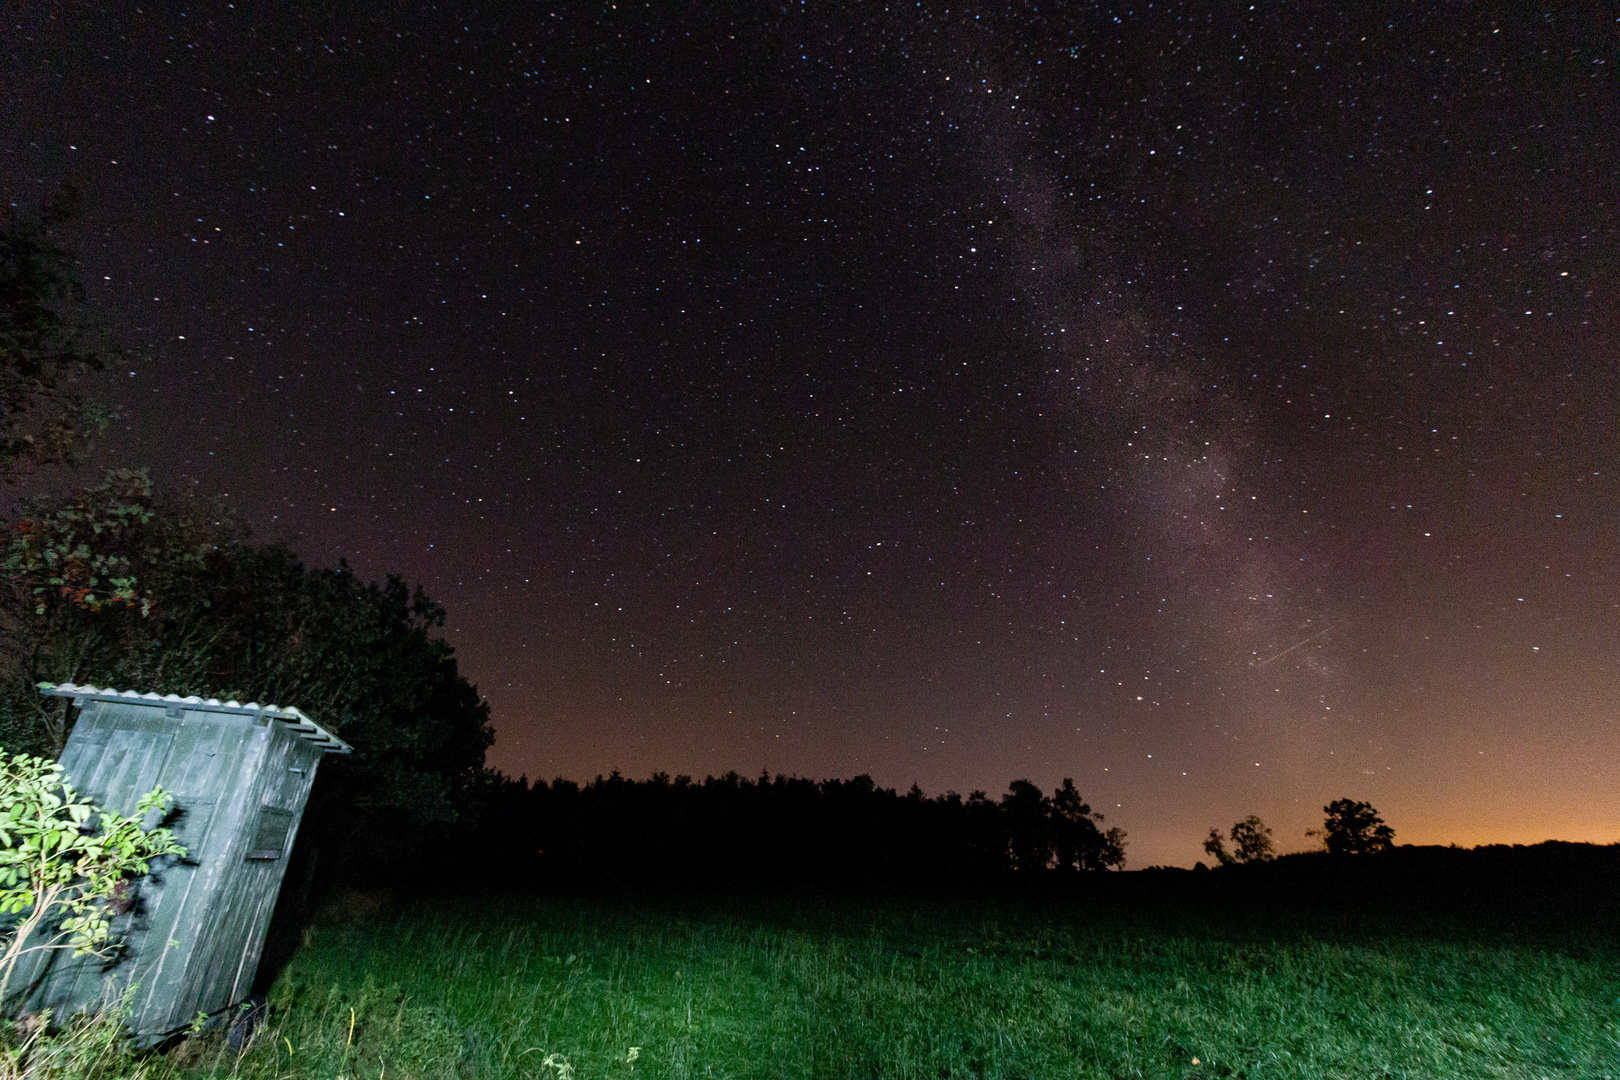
(1076, 841)
(1111, 853)
(1029, 837)
(1252, 840)
(1354, 828)
(45, 348)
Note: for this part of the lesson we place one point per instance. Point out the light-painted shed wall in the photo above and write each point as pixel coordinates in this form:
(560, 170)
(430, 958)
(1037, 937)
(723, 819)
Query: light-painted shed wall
(193, 941)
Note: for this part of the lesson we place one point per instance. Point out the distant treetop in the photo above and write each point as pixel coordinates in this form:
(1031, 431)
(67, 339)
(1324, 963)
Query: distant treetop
(1354, 828)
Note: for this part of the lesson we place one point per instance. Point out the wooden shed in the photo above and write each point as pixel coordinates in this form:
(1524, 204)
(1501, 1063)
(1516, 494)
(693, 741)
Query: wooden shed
(240, 775)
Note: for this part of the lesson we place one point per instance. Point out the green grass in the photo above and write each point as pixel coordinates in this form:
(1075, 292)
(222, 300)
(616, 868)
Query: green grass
(865, 989)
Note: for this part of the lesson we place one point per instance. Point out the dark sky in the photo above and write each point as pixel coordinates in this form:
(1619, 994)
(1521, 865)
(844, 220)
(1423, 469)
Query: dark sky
(1215, 406)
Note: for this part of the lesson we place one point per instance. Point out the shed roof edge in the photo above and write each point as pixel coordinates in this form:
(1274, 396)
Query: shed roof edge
(301, 725)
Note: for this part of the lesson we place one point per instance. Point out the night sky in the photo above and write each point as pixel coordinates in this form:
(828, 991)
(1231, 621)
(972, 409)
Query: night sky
(1212, 403)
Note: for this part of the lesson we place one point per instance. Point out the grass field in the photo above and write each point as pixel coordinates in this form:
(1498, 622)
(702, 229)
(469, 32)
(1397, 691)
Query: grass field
(864, 988)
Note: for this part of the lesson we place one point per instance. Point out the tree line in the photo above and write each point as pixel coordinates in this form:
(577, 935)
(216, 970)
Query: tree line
(782, 828)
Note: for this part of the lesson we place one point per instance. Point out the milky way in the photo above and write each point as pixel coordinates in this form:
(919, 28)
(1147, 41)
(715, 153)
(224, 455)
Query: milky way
(1216, 408)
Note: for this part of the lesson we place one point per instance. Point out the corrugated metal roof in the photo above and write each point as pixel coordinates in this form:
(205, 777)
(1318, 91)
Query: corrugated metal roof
(301, 725)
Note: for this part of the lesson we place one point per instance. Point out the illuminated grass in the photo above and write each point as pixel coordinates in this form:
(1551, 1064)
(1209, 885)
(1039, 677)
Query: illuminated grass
(843, 988)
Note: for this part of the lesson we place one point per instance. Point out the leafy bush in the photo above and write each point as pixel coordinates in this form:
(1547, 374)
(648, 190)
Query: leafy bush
(62, 861)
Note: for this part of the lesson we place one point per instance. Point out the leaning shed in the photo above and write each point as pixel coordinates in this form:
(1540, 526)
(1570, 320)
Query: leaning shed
(240, 775)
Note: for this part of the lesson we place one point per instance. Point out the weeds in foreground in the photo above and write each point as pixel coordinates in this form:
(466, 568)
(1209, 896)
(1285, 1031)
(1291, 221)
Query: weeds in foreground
(547, 990)
(87, 1046)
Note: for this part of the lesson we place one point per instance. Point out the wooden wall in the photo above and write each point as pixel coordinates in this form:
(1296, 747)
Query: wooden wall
(192, 943)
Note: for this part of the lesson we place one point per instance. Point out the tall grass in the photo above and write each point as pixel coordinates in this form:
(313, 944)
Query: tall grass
(91, 1045)
(543, 988)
